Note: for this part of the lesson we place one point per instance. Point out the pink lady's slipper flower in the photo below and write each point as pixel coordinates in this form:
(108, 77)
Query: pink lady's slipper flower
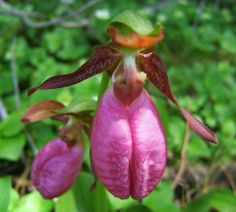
(128, 149)
(57, 164)
(55, 168)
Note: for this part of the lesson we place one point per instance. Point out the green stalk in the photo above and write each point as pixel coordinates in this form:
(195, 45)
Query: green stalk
(103, 86)
(101, 199)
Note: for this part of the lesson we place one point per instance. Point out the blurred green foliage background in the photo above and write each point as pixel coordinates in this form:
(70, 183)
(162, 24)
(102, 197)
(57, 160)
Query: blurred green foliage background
(39, 39)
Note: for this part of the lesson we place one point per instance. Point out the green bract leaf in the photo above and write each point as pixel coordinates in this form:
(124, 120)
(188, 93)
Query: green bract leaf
(133, 21)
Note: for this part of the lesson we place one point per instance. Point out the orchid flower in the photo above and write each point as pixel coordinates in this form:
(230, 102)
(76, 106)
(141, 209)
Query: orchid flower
(55, 168)
(140, 44)
(58, 163)
(128, 149)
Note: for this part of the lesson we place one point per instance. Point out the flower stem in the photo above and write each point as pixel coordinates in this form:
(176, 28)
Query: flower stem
(103, 86)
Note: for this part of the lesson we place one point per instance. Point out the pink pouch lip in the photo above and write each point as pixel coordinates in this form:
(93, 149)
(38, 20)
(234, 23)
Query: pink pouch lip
(112, 146)
(55, 168)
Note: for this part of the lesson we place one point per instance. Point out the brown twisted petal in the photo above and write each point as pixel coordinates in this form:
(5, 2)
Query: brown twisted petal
(134, 40)
(153, 66)
(102, 59)
(41, 110)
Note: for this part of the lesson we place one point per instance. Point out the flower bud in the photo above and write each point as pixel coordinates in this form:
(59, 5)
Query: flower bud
(128, 147)
(55, 168)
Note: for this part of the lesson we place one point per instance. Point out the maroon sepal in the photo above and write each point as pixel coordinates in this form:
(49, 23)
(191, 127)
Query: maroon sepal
(41, 110)
(155, 69)
(101, 60)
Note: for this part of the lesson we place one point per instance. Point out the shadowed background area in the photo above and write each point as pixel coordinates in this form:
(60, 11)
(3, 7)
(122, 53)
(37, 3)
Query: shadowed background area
(39, 39)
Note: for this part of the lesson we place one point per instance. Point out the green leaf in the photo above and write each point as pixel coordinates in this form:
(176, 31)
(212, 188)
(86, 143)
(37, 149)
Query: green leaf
(133, 21)
(12, 125)
(137, 208)
(86, 89)
(66, 202)
(228, 42)
(10, 148)
(33, 202)
(162, 198)
(14, 200)
(176, 131)
(87, 200)
(5, 191)
(197, 149)
(101, 200)
(220, 199)
(118, 204)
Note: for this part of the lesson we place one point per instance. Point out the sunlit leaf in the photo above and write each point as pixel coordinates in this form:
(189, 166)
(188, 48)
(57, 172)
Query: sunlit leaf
(66, 202)
(5, 191)
(11, 126)
(33, 202)
(11, 147)
(118, 204)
